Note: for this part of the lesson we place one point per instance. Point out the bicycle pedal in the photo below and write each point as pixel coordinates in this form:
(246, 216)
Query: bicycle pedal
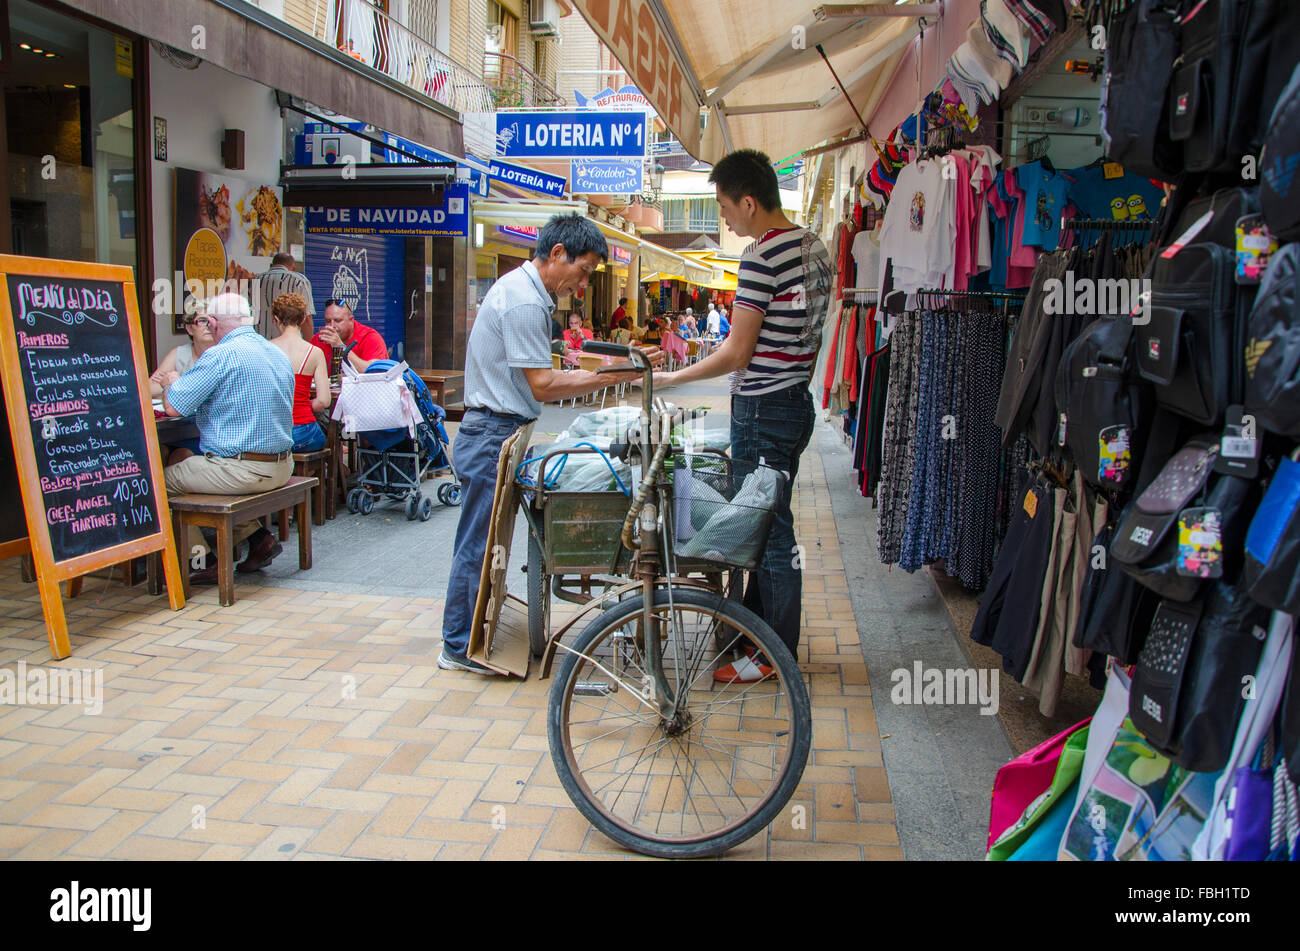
(594, 688)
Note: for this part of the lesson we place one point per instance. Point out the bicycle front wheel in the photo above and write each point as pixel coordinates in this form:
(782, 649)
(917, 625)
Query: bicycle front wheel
(715, 774)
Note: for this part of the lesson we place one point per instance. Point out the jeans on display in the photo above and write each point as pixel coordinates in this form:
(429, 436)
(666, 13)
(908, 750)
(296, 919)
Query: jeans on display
(775, 428)
(308, 437)
(475, 452)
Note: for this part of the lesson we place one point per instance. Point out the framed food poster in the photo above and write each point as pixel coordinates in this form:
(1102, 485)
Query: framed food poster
(227, 230)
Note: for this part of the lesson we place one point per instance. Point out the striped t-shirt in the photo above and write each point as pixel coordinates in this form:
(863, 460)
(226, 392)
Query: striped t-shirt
(771, 280)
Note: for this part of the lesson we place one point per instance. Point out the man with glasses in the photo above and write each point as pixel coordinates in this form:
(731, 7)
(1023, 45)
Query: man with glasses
(508, 376)
(241, 395)
(342, 337)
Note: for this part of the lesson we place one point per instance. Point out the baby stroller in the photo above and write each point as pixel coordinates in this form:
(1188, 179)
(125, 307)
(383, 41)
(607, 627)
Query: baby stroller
(401, 438)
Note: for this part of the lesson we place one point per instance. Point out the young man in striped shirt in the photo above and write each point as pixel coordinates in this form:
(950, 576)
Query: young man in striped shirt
(770, 352)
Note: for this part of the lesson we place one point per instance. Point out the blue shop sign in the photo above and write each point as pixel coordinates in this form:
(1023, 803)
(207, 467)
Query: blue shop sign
(571, 134)
(607, 177)
(523, 177)
(450, 219)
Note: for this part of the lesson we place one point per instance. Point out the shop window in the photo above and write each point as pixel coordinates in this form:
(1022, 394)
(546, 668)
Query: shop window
(70, 125)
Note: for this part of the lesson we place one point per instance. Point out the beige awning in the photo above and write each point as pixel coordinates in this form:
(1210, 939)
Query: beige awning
(753, 64)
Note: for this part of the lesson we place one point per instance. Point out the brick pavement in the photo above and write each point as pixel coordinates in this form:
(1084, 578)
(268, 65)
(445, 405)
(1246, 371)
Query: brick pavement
(302, 724)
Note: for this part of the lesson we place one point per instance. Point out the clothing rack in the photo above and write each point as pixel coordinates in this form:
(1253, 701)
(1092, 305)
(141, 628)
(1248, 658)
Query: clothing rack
(939, 291)
(1107, 224)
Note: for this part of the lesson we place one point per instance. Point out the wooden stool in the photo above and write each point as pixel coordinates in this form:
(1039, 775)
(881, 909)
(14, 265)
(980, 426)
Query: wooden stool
(220, 512)
(315, 464)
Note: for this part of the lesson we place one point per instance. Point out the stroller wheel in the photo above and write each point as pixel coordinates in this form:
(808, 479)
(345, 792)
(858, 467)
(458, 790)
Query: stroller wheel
(366, 502)
(449, 493)
(354, 504)
(412, 508)
(426, 509)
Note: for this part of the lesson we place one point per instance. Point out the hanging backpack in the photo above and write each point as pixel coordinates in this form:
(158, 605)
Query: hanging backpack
(1272, 350)
(1142, 45)
(1102, 405)
(1190, 341)
(1279, 164)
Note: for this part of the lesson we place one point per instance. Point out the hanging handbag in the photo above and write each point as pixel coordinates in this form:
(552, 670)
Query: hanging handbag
(1272, 567)
(1154, 512)
(1279, 191)
(1201, 540)
(1187, 693)
(1102, 405)
(1201, 102)
(1272, 352)
(1050, 771)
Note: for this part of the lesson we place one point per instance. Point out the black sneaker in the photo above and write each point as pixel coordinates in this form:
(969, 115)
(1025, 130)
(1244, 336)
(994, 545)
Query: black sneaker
(449, 660)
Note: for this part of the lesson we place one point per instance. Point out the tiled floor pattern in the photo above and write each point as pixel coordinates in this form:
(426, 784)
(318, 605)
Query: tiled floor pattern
(302, 724)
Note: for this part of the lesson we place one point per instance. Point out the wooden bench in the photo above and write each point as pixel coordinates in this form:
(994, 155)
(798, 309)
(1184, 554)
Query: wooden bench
(221, 512)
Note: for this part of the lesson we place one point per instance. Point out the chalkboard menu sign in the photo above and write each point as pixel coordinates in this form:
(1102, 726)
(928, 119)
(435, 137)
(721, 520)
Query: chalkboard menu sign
(81, 423)
(83, 411)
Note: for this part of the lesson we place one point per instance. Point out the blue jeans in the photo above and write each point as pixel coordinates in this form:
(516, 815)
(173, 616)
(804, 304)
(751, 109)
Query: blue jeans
(776, 428)
(308, 437)
(475, 454)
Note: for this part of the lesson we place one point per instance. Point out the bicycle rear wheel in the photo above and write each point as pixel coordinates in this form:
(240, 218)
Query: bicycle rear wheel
(715, 775)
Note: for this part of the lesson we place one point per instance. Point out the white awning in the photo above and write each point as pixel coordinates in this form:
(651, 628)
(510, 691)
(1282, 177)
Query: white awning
(536, 214)
(754, 65)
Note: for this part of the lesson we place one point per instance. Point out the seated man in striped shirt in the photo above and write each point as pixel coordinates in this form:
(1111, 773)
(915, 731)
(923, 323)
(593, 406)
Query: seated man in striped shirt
(771, 350)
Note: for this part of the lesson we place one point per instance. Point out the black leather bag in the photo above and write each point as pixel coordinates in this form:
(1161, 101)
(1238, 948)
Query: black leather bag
(1187, 693)
(1185, 347)
(1103, 405)
(1201, 88)
(1143, 44)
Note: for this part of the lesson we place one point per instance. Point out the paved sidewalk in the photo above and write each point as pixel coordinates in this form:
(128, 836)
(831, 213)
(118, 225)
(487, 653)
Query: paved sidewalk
(309, 719)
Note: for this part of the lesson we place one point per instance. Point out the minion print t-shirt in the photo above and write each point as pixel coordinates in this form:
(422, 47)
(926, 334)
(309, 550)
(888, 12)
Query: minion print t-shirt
(1121, 198)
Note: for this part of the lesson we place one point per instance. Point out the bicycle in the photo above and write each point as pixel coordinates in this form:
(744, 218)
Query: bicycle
(655, 753)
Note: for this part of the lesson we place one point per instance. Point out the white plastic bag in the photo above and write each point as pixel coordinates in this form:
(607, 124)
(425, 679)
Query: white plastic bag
(733, 532)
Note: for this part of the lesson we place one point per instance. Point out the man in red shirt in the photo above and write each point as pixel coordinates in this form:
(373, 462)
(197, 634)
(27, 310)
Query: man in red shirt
(618, 314)
(341, 331)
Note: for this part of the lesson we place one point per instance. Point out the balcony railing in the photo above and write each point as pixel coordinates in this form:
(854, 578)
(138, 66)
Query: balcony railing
(514, 84)
(374, 38)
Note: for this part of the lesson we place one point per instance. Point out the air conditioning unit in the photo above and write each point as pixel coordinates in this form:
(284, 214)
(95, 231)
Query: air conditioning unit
(544, 17)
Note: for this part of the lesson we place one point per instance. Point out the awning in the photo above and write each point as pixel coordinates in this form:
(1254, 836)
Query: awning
(536, 214)
(754, 65)
(379, 186)
(249, 42)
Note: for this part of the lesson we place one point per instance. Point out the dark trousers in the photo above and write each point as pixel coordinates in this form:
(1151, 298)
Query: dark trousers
(776, 428)
(475, 454)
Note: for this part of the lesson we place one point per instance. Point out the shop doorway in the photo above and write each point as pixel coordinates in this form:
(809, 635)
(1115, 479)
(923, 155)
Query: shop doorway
(69, 121)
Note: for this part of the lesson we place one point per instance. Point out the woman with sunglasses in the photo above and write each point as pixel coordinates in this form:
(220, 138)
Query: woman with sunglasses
(183, 357)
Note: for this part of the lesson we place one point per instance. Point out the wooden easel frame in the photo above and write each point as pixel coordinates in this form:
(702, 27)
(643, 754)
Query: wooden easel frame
(48, 572)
